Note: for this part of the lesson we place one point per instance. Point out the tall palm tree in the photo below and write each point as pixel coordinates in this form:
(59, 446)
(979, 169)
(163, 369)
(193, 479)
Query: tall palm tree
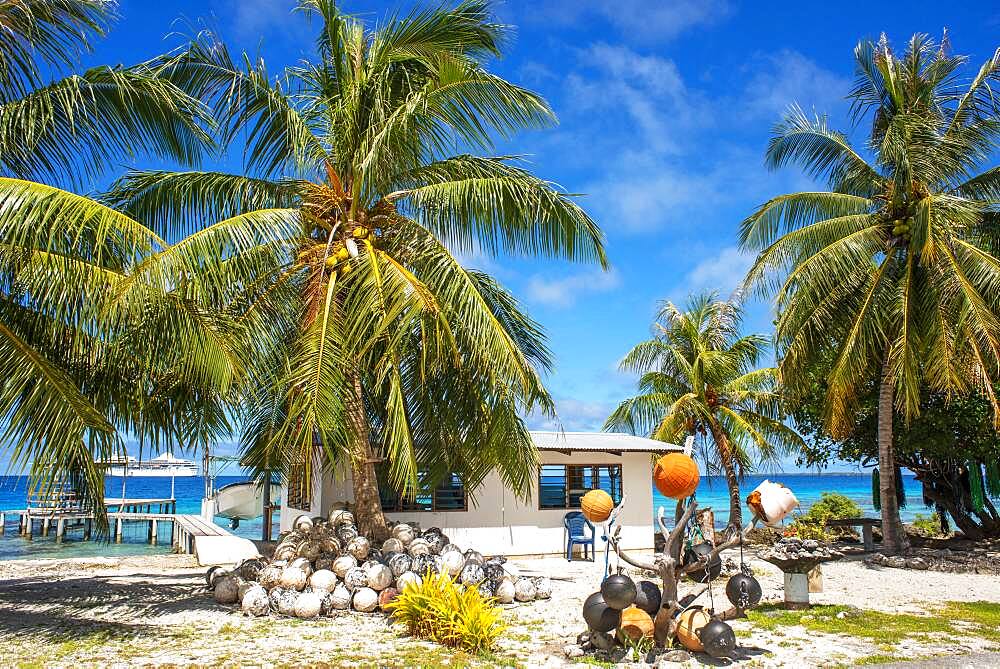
(368, 341)
(700, 375)
(67, 384)
(884, 272)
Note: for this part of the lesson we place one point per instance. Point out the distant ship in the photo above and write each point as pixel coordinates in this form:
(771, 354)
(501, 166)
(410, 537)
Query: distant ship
(164, 464)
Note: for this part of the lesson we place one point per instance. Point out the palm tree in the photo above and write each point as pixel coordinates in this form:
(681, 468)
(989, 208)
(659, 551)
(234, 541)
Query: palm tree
(68, 382)
(367, 340)
(883, 273)
(700, 375)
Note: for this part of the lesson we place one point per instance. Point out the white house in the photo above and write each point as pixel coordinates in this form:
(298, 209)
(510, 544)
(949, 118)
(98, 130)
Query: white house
(494, 521)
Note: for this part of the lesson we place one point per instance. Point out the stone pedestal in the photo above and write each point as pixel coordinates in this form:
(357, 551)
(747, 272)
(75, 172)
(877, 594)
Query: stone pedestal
(796, 591)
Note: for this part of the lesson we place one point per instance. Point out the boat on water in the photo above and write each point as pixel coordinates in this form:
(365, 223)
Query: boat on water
(164, 464)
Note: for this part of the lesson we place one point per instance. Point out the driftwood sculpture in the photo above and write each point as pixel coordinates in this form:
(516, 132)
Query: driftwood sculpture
(671, 570)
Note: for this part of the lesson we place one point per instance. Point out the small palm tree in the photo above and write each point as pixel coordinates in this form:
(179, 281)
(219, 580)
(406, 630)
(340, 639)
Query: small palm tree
(368, 342)
(68, 384)
(884, 273)
(699, 375)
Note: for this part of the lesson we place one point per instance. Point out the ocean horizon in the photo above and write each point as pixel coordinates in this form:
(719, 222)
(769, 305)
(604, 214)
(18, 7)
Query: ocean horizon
(712, 492)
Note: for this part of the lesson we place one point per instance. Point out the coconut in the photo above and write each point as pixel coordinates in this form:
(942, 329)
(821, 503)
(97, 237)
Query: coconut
(293, 578)
(323, 579)
(543, 587)
(407, 578)
(399, 563)
(286, 602)
(309, 549)
(340, 517)
(255, 601)
(505, 592)
(307, 605)
(342, 564)
(452, 562)
(418, 547)
(379, 576)
(472, 574)
(365, 600)
(226, 590)
(359, 547)
(275, 595)
(303, 524)
(524, 590)
(340, 598)
(404, 533)
(355, 578)
(270, 576)
(392, 545)
(387, 597)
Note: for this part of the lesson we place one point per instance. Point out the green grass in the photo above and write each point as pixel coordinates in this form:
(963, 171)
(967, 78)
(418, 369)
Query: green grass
(875, 626)
(983, 617)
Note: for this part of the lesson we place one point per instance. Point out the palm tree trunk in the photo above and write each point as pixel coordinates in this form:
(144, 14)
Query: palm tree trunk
(725, 451)
(367, 504)
(893, 537)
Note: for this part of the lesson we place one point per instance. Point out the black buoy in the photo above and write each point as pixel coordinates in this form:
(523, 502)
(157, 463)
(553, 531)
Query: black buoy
(718, 638)
(599, 615)
(697, 552)
(648, 597)
(618, 591)
(744, 591)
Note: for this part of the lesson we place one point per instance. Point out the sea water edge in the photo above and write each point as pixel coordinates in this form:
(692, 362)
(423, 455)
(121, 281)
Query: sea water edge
(712, 492)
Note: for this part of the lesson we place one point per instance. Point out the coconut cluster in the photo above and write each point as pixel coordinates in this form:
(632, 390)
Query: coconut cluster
(325, 566)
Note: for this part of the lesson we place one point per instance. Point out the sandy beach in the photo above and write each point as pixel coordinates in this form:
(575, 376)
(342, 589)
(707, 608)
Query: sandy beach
(156, 611)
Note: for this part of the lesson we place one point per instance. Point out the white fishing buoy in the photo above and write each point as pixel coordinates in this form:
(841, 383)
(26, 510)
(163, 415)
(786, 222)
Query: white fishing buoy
(359, 547)
(379, 576)
(307, 605)
(342, 564)
(324, 580)
(293, 578)
(392, 545)
(452, 561)
(404, 533)
(524, 590)
(340, 598)
(303, 523)
(355, 578)
(365, 600)
(407, 578)
(505, 592)
(255, 602)
(227, 590)
(543, 587)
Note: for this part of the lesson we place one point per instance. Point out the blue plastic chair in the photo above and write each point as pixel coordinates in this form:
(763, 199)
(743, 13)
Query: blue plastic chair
(576, 534)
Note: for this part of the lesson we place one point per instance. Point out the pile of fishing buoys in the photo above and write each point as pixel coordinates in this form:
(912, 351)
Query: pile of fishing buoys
(771, 502)
(621, 611)
(322, 567)
(676, 475)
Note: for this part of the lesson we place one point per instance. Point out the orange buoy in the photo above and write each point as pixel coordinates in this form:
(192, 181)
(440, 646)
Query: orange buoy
(597, 506)
(636, 624)
(688, 625)
(676, 475)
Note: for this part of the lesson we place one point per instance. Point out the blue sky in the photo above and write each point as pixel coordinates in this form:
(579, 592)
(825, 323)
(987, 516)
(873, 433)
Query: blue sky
(665, 110)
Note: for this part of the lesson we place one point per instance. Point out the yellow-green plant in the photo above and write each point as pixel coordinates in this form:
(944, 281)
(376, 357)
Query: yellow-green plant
(440, 611)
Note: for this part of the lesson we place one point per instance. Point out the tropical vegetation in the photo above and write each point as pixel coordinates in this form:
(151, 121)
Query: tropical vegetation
(699, 375)
(887, 271)
(78, 373)
(335, 254)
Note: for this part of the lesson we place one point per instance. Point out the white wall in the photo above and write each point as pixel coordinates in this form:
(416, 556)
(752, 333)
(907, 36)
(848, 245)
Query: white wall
(499, 523)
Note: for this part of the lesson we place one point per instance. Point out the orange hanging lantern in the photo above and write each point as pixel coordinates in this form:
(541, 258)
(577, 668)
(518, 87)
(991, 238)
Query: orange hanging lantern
(597, 506)
(636, 624)
(676, 475)
(688, 625)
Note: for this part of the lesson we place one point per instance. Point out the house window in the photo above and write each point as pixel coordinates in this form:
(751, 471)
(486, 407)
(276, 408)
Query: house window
(562, 486)
(448, 496)
(299, 493)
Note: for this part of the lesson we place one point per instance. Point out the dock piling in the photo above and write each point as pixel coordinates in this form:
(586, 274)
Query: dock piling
(118, 530)
(60, 529)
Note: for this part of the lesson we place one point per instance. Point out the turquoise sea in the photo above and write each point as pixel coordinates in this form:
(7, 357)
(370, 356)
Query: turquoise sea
(189, 491)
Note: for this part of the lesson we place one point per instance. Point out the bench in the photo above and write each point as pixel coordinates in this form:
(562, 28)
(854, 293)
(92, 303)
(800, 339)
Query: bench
(866, 525)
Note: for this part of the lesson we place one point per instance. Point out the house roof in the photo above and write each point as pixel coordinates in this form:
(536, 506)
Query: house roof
(607, 442)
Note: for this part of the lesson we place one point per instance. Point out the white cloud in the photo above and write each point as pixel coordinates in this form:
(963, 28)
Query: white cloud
(564, 291)
(574, 416)
(640, 20)
(722, 272)
(250, 19)
(786, 77)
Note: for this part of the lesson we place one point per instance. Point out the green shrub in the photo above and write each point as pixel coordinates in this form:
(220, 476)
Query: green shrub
(928, 526)
(440, 611)
(812, 525)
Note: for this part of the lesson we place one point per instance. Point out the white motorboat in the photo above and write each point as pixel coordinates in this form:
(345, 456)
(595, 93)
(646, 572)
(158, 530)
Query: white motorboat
(243, 500)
